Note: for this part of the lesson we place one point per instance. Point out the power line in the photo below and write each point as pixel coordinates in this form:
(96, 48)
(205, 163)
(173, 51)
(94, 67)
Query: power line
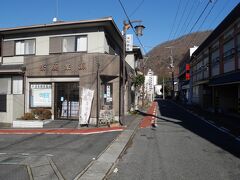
(188, 15)
(181, 18)
(135, 10)
(174, 21)
(225, 5)
(199, 17)
(184, 32)
(195, 36)
(129, 21)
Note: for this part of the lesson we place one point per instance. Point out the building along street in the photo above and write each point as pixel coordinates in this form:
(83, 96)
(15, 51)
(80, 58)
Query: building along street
(182, 147)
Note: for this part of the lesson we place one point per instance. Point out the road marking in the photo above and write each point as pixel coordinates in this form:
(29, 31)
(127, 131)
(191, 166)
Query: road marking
(50, 155)
(24, 154)
(238, 138)
(224, 129)
(3, 153)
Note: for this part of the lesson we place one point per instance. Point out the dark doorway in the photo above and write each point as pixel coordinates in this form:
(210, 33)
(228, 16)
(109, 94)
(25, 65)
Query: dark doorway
(67, 100)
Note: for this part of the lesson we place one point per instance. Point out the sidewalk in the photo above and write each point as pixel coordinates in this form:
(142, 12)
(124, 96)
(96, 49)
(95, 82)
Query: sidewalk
(222, 120)
(105, 164)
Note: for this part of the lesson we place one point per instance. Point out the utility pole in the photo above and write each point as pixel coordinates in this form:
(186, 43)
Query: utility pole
(172, 68)
(163, 89)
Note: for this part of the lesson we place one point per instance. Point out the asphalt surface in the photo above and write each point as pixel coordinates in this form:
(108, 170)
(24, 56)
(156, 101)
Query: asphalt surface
(181, 147)
(69, 153)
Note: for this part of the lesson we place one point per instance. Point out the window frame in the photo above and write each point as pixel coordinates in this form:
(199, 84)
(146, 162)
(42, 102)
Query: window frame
(30, 95)
(23, 40)
(75, 43)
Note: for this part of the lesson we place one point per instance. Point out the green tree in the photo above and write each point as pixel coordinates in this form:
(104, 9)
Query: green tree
(138, 80)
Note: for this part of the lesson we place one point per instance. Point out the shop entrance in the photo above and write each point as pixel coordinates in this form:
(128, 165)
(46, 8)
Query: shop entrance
(67, 100)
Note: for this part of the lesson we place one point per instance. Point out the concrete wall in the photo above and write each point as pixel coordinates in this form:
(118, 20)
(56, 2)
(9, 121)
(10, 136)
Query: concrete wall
(13, 60)
(15, 108)
(87, 76)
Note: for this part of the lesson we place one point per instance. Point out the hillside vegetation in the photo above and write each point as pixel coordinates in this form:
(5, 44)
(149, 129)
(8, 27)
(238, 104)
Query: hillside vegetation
(158, 57)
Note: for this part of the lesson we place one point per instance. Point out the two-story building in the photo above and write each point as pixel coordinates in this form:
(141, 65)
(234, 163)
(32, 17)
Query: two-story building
(216, 66)
(48, 65)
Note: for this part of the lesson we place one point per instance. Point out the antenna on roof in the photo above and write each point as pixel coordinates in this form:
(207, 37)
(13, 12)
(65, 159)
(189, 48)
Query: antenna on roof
(55, 19)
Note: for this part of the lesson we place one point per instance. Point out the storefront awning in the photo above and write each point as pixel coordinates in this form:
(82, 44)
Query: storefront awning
(233, 78)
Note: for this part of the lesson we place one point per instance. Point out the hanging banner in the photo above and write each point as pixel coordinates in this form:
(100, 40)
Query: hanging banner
(86, 105)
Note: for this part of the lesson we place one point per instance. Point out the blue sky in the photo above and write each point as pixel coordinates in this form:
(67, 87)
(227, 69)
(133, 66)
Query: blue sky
(157, 15)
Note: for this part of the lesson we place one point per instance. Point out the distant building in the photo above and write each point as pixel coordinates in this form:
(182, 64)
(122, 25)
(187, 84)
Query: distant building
(150, 82)
(215, 67)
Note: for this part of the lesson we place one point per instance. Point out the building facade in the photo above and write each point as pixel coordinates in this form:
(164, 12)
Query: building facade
(216, 67)
(184, 76)
(48, 66)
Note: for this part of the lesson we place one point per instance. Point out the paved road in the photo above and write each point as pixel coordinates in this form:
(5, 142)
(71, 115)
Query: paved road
(181, 147)
(69, 153)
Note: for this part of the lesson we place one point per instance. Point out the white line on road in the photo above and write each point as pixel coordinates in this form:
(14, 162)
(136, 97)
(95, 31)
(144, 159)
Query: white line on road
(238, 138)
(225, 129)
(3, 153)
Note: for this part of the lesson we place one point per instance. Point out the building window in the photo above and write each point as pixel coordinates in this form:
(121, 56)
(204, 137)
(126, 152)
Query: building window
(228, 50)
(40, 95)
(68, 44)
(215, 58)
(81, 43)
(74, 43)
(25, 47)
(3, 103)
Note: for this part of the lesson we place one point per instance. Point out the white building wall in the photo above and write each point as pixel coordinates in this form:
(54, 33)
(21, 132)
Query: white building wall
(97, 43)
(130, 60)
(13, 60)
(42, 45)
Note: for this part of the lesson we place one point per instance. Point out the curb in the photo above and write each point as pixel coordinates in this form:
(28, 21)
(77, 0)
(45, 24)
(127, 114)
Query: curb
(124, 149)
(102, 167)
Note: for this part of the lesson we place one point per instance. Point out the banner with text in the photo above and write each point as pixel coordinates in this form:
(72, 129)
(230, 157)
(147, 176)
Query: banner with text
(86, 105)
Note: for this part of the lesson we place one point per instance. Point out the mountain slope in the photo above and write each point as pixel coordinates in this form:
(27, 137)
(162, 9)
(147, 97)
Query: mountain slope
(158, 57)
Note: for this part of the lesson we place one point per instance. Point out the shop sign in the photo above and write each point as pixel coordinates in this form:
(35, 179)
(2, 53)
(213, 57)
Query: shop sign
(65, 67)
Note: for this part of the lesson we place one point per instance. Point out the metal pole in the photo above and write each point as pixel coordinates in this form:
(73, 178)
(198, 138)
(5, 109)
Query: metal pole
(98, 92)
(172, 83)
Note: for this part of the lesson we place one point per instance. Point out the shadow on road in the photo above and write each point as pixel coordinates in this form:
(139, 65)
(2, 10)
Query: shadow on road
(170, 112)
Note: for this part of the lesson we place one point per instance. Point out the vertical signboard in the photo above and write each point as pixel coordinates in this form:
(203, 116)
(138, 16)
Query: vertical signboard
(129, 42)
